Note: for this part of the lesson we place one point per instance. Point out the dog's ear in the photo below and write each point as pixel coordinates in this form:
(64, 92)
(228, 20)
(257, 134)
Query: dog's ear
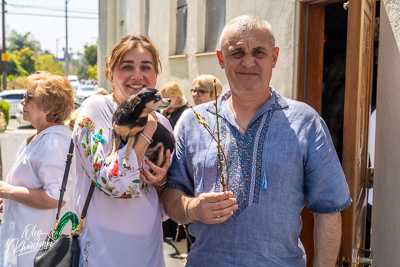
(134, 100)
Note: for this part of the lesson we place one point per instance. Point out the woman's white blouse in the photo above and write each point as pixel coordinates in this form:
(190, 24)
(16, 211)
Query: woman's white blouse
(40, 164)
(123, 223)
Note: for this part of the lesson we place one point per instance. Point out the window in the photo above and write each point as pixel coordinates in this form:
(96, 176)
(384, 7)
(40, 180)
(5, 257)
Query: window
(16, 96)
(147, 18)
(181, 26)
(215, 22)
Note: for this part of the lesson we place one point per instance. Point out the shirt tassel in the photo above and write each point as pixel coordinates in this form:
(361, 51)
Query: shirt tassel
(265, 183)
(199, 188)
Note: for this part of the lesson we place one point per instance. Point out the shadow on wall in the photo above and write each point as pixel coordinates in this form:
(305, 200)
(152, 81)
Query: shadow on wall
(179, 67)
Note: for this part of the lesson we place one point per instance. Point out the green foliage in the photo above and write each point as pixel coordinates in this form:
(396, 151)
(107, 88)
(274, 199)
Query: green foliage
(19, 41)
(5, 108)
(10, 78)
(92, 71)
(14, 67)
(47, 63)
(90, 55)
(25, 56)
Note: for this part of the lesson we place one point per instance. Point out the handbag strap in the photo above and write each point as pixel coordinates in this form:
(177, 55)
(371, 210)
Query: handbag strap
(65, 178)
(64, 185)
(86, 206)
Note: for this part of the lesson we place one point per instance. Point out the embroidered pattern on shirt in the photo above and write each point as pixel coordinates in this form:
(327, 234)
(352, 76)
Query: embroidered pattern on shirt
(245, 156)
(88, 133)
(86, 253)
(247, 178)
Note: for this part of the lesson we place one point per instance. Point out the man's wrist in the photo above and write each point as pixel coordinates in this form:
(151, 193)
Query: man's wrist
(187, 211)
(162, 185)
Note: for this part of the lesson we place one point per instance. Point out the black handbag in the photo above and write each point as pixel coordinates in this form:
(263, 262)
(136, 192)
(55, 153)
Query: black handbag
(62, 250)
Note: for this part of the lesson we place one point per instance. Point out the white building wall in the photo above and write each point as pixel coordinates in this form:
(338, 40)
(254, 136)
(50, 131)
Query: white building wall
(184, 68)
(386, 208)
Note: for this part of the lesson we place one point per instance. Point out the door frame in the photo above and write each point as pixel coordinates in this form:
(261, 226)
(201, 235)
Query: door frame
(355, 133)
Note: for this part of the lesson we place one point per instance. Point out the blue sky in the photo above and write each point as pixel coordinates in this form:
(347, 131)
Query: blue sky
(47, 30)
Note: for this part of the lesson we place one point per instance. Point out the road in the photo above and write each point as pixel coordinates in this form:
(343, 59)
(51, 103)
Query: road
(10, 143)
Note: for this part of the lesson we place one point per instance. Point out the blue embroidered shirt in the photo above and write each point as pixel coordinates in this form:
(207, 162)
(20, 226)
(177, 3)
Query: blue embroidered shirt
(284, 160)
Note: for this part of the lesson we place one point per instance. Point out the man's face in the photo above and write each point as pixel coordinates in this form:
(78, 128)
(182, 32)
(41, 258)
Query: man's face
(248, 59)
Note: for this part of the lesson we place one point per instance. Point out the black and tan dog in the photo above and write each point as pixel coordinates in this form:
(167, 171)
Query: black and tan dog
(129, 120)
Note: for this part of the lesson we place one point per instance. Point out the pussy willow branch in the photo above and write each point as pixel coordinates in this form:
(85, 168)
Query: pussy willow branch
(217, 140)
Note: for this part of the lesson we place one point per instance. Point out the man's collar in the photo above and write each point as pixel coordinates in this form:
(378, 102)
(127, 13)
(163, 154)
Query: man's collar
(275, 102)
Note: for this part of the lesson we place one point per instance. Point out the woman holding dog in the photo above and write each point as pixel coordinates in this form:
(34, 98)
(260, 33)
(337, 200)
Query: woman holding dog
(30, 193)
(123, 222)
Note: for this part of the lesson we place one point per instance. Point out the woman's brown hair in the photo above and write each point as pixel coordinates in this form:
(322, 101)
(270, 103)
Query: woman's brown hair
(127, 43)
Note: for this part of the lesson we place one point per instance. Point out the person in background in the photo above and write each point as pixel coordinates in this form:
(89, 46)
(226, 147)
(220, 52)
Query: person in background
(178, 102)
(280, 156)
(202, 92)
(123, 222)
(29, 196)
(203, 89)
(173, 113)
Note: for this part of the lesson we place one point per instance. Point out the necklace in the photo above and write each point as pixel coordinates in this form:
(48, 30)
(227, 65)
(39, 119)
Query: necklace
(116, 99)
(234, 115)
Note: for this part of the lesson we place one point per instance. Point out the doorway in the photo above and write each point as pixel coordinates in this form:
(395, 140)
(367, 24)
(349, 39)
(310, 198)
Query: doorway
(335, 78)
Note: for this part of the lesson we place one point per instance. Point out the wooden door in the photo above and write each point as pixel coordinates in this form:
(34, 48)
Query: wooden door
(358, 87)
(359, 64)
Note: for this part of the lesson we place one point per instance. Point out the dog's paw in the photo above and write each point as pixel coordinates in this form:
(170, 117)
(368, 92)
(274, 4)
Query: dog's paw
(126, 164)
(108, 161)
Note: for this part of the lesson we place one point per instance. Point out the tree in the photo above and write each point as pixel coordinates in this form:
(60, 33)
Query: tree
(90, 55)
(25, 57)
(92, 71)
(47, 63)
(19, 41)
(14, 67)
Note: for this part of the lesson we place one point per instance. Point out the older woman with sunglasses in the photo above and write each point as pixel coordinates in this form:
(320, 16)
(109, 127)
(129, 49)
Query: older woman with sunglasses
(202, 92)
(203, 89)
(29, 195)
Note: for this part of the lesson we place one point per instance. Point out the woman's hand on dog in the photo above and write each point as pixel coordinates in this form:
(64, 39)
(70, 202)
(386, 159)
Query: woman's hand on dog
(160, 173)
(151, 125)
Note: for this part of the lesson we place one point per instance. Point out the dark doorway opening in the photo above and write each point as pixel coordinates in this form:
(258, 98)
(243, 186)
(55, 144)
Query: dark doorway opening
(334, 72)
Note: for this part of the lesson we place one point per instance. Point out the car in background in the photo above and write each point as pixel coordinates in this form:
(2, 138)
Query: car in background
(74, 81)
(19, 115)
(84, 91)
(13, 97)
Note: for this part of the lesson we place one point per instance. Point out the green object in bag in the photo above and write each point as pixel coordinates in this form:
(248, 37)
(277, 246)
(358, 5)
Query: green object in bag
(69, 216)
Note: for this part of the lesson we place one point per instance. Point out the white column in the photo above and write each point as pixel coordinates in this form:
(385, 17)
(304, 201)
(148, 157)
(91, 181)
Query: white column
(386, 201)
(102, 50)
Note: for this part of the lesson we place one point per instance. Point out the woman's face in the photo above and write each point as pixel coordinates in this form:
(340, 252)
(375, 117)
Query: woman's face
(31, 112)
(200, 99)
(135, 72)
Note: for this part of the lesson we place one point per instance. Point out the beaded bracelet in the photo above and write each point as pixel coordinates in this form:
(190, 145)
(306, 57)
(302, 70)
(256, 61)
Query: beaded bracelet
(148, 136)
(186, 211)
(147, 139)
(161, 185)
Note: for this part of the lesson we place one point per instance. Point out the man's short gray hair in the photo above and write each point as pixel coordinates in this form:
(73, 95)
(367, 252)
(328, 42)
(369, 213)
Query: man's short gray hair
(248, 23)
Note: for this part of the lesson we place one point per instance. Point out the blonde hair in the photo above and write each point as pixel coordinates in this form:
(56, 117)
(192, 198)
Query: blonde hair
(172, 88)
(206, 82)
(126, 44)
(54, 94)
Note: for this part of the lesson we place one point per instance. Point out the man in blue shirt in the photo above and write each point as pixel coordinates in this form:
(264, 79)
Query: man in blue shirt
(280, 157)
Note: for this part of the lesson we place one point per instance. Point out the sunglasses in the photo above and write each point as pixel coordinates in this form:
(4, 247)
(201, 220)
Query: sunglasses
(27, 98)
(199, 92)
